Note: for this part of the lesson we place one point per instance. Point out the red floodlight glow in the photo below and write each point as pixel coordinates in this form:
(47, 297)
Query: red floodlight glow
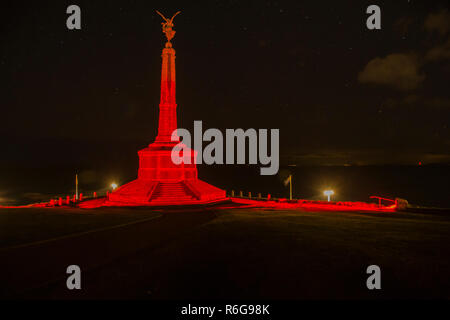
(160, 181)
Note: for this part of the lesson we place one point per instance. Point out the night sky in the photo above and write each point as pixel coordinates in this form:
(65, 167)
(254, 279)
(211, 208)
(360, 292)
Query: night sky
(339, 93)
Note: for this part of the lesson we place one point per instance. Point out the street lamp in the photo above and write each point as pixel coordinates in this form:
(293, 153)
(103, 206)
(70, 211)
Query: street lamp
(328, 193)
(114, 185)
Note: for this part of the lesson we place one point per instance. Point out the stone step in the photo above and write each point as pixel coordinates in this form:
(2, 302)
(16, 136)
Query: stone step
(171, 192)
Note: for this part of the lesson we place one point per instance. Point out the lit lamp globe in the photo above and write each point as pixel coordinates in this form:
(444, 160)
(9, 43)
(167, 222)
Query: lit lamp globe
(328, 193)
(114, 185)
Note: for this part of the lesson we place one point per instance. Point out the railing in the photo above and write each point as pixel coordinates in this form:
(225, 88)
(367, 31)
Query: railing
(381, 198)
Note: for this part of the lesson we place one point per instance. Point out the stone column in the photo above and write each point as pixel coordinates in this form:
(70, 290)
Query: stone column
(167, 107)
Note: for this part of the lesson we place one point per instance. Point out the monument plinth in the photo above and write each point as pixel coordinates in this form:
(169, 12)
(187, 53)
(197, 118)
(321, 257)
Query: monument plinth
(161, 181)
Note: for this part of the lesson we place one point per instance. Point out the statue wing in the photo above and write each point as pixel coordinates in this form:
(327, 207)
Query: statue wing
(165, 19)
(171, 20)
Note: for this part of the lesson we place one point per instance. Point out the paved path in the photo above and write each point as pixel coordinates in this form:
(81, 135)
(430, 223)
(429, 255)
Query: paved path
(27, 268)
(242, 254)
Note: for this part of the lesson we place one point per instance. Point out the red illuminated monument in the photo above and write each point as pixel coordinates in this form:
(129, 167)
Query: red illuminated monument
(161, 181)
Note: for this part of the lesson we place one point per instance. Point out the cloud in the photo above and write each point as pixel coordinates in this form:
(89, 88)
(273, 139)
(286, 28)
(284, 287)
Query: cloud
(438, 22)
(397, 70)
(440, 52)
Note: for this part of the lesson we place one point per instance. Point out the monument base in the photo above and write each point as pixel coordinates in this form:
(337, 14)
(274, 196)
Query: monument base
(160, 182)
(147, 192)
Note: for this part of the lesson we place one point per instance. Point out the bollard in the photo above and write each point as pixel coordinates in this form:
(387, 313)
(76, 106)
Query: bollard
(60, 201)
(241, 194)
(52, 202)
(68, 200)
(232, 193)
(74, 198)
(81, 197)
(95, 194)
(259, 195)
(268, 196)
(249, 195)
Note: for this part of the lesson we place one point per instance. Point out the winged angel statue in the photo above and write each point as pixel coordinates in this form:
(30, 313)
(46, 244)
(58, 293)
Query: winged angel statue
(168, 25)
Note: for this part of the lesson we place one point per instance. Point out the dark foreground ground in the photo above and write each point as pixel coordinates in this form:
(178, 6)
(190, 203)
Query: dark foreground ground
(220, 252)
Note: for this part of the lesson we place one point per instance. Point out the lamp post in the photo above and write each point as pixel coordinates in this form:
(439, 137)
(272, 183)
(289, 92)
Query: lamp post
(289, 180)
(328, 193)
(76, 186)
